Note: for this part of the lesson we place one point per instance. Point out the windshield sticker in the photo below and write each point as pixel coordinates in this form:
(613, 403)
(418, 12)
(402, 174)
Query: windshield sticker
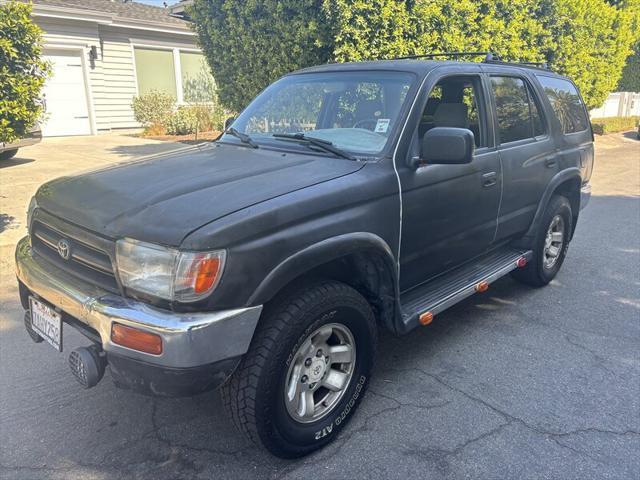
(382, 125)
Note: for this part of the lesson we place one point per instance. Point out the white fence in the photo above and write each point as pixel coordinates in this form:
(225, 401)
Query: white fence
(619, 104)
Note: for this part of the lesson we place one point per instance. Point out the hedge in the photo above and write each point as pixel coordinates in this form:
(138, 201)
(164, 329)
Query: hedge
(602, 126)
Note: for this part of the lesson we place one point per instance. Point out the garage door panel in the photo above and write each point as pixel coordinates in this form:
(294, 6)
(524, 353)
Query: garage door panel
(65, 95)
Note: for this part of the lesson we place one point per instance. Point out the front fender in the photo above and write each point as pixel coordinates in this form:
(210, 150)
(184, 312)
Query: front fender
(318, 254)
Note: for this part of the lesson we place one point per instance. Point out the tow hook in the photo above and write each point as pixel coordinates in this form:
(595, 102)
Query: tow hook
(87, 365)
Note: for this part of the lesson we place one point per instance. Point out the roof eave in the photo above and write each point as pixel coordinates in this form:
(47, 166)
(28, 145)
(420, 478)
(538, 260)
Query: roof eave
(104, 18)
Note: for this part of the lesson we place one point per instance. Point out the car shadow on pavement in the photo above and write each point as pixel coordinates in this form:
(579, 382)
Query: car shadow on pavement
(16, 161)
(631, 134)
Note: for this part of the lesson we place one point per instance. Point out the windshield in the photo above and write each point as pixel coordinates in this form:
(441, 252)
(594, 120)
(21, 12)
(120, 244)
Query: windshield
(355, 111)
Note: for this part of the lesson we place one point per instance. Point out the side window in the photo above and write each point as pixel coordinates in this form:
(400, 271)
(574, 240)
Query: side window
(566, 103)
(455, 102)
(517, 112)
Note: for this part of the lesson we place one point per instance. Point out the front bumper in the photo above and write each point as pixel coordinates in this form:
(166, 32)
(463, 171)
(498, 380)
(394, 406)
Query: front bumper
(192, 342)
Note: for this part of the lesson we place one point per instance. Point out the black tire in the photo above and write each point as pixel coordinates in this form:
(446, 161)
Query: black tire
(536, 273)
(8, 154)
(254, 396)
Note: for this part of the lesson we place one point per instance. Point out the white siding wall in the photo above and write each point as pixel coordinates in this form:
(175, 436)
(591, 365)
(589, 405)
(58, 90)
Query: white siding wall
(112, 75)
(113, 106)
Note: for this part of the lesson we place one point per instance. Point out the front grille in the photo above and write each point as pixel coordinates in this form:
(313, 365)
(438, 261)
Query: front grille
(88, 255)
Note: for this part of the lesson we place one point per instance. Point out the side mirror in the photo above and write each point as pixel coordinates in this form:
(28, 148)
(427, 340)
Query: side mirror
(228, 122)
(446, 146)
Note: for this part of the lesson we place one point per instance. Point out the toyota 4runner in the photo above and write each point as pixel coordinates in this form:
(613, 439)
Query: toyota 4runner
(344, 198)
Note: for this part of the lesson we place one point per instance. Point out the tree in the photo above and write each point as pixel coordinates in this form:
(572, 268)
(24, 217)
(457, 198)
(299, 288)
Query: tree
(630, 80)
(22, 71)
(587, 40)
(248, 44)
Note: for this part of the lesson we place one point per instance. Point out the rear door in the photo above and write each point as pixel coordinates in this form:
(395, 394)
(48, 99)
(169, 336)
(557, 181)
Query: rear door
(527, 150)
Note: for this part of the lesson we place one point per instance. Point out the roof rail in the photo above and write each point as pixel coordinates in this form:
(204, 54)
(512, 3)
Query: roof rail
(488, 56)
(540, 65)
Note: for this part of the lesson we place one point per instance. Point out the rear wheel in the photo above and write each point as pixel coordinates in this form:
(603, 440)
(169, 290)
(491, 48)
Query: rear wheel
(8, 154)
(550, 244)
(306, 370)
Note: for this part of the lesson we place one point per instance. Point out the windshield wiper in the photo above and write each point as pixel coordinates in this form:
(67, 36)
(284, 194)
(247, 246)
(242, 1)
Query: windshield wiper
(325, 145)
(244, 138)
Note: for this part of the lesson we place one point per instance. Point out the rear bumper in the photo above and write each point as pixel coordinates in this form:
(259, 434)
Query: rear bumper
(197, 347)
(585, 195)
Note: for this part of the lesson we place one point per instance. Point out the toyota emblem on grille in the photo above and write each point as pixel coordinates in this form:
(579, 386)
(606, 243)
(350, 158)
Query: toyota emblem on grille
(64, 249)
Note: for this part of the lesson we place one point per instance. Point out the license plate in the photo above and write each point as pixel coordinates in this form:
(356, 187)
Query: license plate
(47, 323)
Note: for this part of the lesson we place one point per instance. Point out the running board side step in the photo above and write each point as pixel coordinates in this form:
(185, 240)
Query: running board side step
(422, 303)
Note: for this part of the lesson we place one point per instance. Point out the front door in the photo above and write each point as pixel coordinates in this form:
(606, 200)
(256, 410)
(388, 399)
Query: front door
(449, 211)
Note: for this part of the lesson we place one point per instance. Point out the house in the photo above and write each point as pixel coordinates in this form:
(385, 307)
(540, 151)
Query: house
(105, 52)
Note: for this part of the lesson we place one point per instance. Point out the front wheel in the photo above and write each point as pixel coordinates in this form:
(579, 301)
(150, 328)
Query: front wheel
(306, 370)
(550, 244)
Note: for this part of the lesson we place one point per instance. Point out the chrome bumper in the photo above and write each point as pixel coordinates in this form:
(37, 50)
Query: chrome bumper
(188, 339)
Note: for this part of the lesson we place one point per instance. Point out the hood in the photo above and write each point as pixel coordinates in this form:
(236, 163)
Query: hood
(163, 198)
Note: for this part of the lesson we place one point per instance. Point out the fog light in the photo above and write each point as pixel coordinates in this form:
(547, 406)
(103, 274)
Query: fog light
(87, 365)
(136, 339)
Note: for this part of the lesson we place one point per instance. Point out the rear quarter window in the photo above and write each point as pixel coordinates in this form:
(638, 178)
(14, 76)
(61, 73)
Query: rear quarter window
(566, 104)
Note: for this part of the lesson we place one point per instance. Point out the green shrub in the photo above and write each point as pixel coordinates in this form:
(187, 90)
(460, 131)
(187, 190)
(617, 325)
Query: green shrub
(183, 122)
(153, 108)
(22, 71)
(602, 126)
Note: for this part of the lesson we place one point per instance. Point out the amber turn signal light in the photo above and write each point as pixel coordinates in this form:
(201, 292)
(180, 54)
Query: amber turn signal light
(426, 318)
(207, 274)
(136, 339)
(483, 286)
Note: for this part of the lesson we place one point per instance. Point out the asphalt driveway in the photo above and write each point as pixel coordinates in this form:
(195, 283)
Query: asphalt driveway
(512, 383)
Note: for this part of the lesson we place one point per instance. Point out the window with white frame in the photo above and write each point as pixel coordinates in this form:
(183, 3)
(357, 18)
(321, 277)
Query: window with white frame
(182, 74)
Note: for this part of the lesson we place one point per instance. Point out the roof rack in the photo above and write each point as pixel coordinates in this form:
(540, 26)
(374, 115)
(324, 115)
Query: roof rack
(489, 57)
(498, 61)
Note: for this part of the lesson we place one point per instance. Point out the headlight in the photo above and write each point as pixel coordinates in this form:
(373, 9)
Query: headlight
(32, 206)
(166, 272)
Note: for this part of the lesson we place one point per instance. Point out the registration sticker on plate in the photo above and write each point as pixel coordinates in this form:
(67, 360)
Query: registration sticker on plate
(47, 323)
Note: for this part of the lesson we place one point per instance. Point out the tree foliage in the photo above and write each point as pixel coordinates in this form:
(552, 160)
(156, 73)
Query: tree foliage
(630, 80)
(250, 44)
(22, 71)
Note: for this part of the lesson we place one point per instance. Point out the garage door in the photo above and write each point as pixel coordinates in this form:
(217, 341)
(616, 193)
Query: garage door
(66, 96)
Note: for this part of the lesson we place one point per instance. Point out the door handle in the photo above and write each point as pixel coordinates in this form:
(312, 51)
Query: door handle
(550, 162)
(489, 179)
